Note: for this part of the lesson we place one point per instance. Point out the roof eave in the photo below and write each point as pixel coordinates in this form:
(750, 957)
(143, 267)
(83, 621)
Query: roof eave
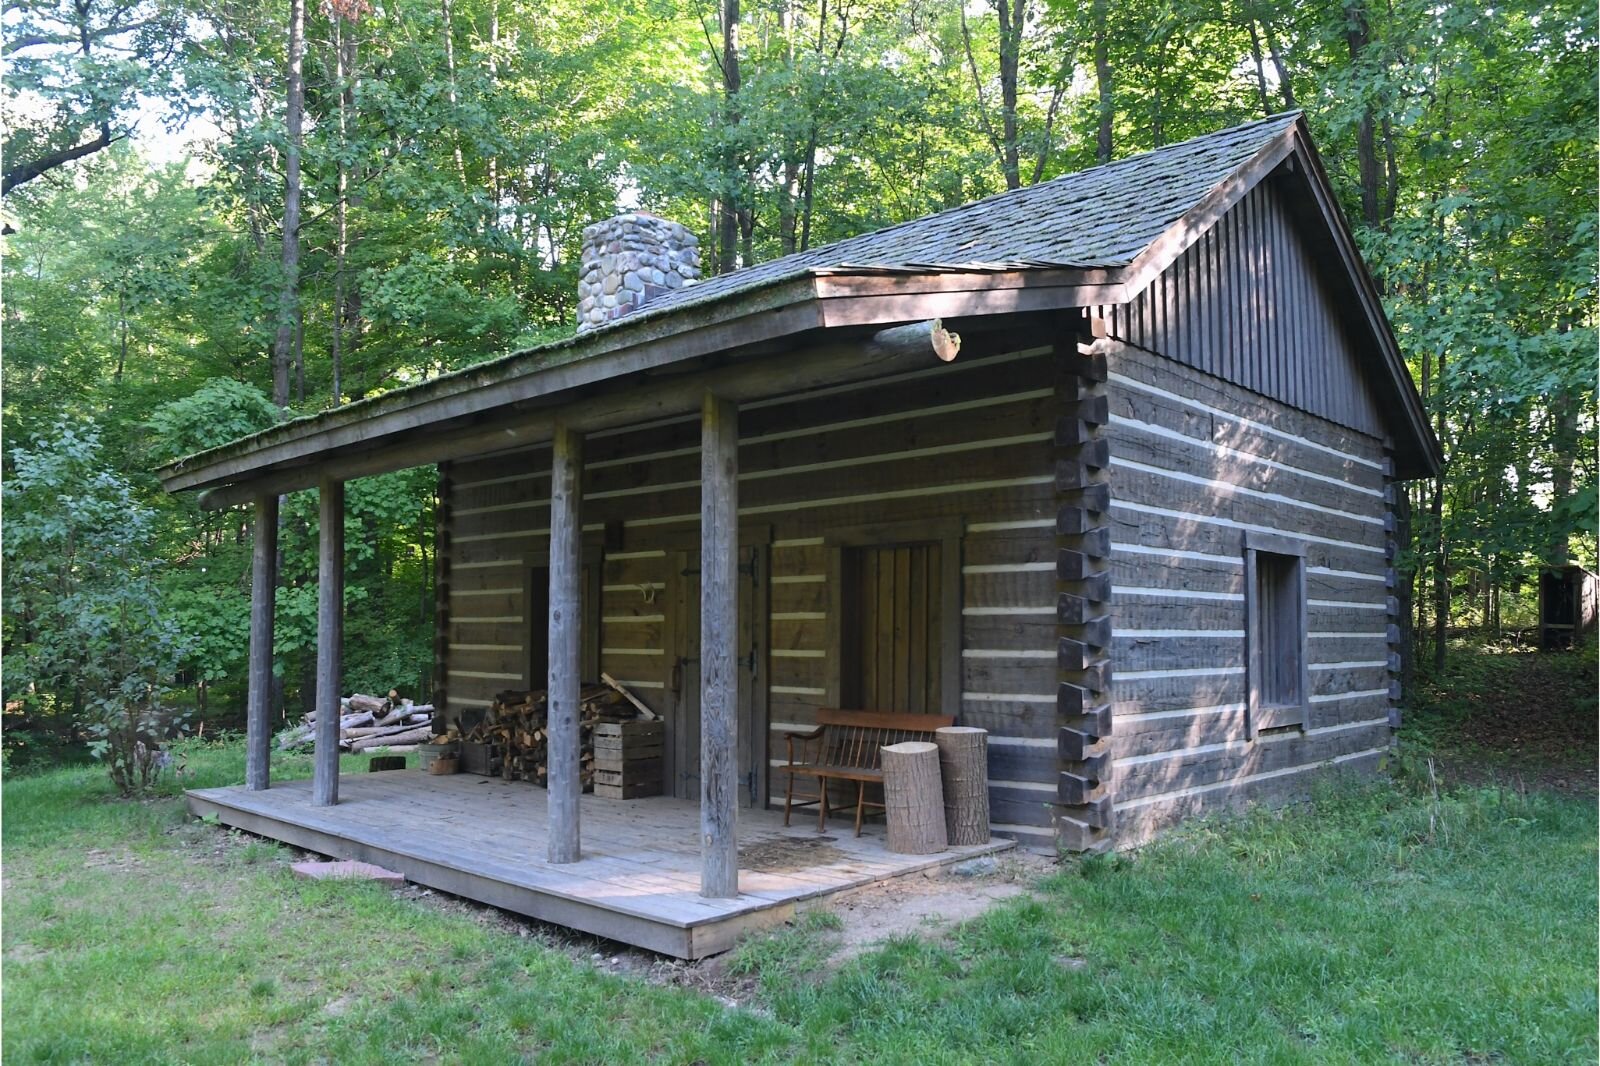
(833, 301)
(594, 357)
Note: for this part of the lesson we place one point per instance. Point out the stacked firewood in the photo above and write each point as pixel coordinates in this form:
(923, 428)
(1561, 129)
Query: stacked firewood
(367, 722)
(518, 725)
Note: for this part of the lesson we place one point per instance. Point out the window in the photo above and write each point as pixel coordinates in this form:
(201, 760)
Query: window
(895, 590)
(1275, 606)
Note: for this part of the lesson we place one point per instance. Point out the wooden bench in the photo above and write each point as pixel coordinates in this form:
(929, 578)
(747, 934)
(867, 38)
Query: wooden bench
(845, 747)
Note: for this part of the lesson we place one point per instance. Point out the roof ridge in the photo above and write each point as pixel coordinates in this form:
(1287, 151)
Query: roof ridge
(804, 256)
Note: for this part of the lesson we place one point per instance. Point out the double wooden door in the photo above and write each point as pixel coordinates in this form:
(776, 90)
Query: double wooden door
(682, 639)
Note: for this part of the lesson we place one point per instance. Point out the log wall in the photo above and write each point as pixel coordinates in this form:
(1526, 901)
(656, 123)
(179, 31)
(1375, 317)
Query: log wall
(971, 441)
(1196, 462)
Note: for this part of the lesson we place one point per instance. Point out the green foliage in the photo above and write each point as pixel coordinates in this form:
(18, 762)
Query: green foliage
(220, 411)
(87, 643)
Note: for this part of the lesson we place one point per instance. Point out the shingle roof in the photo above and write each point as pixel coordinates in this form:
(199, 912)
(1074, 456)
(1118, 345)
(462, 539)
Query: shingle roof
(1100, 217)
(1103, 217)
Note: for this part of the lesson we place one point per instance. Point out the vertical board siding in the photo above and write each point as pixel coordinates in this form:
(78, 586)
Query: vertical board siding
(1245, 303)
(1197, 462)
(970, 440)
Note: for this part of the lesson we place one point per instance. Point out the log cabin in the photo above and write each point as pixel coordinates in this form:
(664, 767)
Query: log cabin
(1106, 466)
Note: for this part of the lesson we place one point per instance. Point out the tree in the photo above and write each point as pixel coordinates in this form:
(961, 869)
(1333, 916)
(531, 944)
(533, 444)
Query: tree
(77, 71)
(86, 643)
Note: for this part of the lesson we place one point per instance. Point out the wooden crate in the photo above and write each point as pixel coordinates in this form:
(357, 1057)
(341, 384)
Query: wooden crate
(481, 759)
(624, 741)
(622, 792)
(627, 759)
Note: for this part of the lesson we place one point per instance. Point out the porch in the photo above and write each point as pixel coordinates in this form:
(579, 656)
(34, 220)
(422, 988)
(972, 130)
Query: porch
(638, 880)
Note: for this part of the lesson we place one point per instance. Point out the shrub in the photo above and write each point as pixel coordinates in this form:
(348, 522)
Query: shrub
(87, 646)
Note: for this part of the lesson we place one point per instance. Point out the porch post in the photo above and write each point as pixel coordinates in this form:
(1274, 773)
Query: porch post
(566, 643)
(330, 639)
(263, 601)
(719, 634)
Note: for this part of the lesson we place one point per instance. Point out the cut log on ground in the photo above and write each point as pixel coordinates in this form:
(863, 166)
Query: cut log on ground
(364, 717)
(913, 798)
(416, 735)
(964, 773)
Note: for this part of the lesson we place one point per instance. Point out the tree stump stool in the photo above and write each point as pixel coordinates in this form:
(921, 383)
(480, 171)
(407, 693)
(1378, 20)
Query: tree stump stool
(964, 769)
(913, 798)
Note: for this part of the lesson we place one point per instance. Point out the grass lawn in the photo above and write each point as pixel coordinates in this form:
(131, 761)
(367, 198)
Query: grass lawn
(1382, 924)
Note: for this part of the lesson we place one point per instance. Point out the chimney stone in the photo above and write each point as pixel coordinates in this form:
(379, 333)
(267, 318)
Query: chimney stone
(628, 261)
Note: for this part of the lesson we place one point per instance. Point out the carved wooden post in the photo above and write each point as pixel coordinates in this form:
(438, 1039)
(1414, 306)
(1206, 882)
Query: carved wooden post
(566, 643)
(330, 640)
(263, 603)
(719, 634)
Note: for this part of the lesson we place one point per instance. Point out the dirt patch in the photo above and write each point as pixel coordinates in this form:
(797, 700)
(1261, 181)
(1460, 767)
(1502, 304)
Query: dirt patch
(115, 862)
(929, 906)
(789, 853)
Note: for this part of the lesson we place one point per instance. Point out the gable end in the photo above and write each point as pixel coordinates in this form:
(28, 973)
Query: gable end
(1248, 302)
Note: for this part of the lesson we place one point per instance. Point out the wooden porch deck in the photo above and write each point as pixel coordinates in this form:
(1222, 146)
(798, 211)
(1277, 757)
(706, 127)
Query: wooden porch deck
(638, 880)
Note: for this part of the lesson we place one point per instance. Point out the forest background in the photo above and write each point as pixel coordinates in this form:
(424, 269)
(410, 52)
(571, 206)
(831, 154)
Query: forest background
(219, 214)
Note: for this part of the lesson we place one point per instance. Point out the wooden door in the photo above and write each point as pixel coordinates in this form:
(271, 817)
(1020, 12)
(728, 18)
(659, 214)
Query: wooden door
(682, 749)
(892, 634)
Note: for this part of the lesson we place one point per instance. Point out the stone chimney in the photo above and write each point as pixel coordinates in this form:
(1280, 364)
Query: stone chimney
(628, 261)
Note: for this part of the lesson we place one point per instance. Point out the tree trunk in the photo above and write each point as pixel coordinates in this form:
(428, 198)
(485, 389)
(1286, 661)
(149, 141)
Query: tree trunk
(494, 78)
(344, 62)
(1357, 35)
(1284, 84)
(807, 187)
(1563, 449)
(300, 355)
(122, 332)
(289, 296)
(1102, 76)
(1011, 25)
(913, 798)
(450, 87)
(728, 218)
(788, 205)
(964, 771)
(1261, 70)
